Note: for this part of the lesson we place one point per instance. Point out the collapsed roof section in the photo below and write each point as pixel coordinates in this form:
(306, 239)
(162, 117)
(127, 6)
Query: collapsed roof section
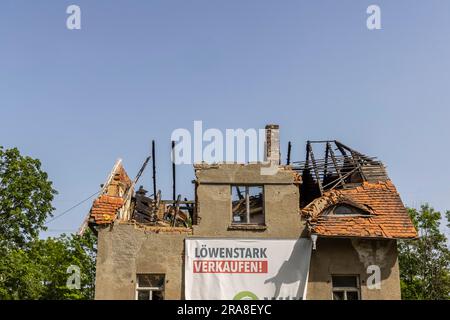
(119, 203)
(348, 194)
(340, 168)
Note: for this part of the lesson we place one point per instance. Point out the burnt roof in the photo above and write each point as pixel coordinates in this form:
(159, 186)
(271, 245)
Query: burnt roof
(338, 167)
(344, 176)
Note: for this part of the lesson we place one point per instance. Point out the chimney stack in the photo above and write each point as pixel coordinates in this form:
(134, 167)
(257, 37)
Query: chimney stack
(273, 144)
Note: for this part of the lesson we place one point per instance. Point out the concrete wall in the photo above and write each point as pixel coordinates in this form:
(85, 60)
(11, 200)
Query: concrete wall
(352, 257)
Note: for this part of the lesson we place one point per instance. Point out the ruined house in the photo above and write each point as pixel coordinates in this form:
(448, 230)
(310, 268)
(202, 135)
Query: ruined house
(341, 199)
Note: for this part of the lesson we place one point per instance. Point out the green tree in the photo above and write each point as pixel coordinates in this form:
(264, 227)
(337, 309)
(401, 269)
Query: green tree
(424, 262)
(447, 214)
(39, 270)
(31, 268)
(55, 256)
(26, 197)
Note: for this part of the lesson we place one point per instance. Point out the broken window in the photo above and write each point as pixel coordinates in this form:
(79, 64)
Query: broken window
(348, 210)
(150, 287)
(345, 287)
(247, 205)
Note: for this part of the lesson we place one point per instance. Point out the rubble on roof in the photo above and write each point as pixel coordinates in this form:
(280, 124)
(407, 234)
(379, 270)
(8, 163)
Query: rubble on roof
(162, 229)
(157, 212)
(117, 203)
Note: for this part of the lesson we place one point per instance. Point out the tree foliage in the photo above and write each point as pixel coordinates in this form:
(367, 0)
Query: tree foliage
(33, 268)
(40, 269)
(26, 197)
(425, 262)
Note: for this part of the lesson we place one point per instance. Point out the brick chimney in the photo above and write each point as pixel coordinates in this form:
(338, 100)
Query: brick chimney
(273, 144)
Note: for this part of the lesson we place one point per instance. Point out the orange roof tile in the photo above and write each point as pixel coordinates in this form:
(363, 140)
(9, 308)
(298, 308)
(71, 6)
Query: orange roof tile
(388, 217)
(104, 209)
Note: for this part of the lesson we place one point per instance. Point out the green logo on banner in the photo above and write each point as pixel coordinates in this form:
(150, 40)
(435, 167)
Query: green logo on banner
(245, 295)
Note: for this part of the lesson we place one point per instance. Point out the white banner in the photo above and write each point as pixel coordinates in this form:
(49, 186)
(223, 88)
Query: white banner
(252, 269)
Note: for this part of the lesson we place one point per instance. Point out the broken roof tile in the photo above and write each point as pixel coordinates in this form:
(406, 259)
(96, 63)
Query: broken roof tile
(388, 216)
(105, 208)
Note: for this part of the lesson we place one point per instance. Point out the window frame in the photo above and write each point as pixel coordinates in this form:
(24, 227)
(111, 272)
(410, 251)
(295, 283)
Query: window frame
(355, 211)
(149, 289)
(345, 290)
(247, 205)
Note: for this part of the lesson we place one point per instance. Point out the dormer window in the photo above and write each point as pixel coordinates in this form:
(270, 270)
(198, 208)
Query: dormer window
(346, 210)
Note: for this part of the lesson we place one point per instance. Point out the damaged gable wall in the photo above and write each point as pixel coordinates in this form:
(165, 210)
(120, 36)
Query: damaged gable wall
(125, 251)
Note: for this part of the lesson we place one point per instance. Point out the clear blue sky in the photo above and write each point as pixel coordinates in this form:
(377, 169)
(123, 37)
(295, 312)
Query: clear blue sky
(137, 70)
